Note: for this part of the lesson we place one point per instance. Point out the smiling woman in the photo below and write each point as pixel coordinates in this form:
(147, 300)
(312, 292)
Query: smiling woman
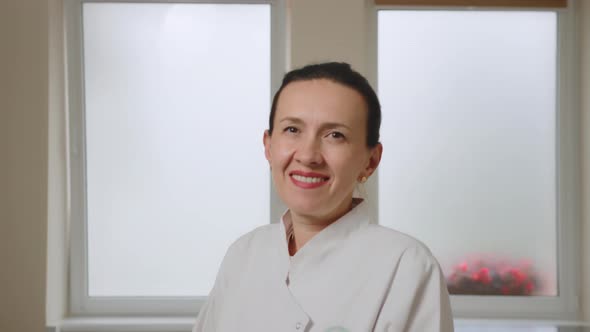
(325, 267)
(318, 152)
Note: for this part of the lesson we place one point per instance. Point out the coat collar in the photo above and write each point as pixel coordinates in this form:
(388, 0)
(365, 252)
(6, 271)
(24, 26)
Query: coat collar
(326, 241)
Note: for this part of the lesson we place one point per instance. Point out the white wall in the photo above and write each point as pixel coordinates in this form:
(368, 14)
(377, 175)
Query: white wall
(23, 163)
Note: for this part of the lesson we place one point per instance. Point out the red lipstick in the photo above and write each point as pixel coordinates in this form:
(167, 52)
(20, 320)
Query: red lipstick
(308, 185)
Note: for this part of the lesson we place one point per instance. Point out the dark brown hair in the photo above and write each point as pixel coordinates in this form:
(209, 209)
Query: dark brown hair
(342, 73)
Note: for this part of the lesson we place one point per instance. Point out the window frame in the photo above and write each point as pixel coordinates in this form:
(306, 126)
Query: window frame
(477, 3)
(80, 303)
(566, 305)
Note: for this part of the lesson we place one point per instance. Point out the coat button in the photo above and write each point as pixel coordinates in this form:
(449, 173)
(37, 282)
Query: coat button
(298, 326)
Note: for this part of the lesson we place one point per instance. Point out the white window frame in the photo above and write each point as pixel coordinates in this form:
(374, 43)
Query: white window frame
(565, 306)
(80, 304)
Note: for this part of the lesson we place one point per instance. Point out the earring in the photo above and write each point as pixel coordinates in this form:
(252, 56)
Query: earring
(363, 179)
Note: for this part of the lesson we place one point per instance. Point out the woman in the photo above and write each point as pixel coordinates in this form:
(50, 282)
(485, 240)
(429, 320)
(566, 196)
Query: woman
(325, 267)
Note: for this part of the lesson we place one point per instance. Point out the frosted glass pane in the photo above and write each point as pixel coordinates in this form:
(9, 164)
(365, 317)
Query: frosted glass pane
(177, 99)
(469, 134)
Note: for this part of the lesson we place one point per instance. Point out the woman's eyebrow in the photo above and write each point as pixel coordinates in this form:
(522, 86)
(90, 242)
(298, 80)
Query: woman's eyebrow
(329, 125)
(326, 125)
(291, 119)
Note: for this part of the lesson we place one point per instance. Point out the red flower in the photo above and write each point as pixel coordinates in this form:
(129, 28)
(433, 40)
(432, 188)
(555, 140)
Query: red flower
(484, 275)
(463, 266)
(487, 276)
(518, 276)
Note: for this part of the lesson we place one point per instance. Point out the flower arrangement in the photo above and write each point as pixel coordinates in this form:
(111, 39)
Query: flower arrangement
(493, 277)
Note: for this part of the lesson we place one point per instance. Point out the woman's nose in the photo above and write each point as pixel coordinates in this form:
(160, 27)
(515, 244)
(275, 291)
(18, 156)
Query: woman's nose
(309, 152)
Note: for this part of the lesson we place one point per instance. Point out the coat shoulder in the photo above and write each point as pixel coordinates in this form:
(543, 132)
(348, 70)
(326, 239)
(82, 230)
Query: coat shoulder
(258, 238)
(389, 240)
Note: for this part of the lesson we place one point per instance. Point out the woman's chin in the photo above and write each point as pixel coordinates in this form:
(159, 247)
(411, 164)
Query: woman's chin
(309, 209)
(316, 211)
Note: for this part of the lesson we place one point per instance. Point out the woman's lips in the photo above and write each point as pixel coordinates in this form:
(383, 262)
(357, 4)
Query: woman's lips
(308, 180)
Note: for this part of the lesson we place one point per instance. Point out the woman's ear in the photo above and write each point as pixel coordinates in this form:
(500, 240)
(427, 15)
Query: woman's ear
(266, 142)
(374, 159)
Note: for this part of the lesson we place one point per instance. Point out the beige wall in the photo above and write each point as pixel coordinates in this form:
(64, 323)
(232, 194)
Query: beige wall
(326, 34)
(585, 104)
(23, 164)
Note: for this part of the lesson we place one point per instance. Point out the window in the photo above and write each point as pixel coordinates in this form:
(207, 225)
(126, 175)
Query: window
(162, 98)
(478, 129)
(100, 295)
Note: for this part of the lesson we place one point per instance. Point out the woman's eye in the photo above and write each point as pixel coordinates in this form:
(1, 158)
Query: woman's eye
(290, 129)
(336, 135)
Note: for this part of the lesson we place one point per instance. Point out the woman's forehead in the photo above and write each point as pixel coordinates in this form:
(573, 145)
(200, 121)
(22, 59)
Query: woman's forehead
(321, 99)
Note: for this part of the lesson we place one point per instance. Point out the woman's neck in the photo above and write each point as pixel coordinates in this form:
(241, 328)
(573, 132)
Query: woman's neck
(306, 227)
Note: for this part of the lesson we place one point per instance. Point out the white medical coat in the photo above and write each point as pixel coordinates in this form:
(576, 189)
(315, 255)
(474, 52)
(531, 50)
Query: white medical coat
(352, 276)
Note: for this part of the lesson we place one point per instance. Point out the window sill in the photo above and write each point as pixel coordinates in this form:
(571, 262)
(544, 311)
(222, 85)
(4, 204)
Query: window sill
(126, 324)
(516, 325)
(185, 324)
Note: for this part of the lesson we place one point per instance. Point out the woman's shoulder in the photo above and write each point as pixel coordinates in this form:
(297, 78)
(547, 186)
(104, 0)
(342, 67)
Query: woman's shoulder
(251, 246)
(387, 240)
(261, 236)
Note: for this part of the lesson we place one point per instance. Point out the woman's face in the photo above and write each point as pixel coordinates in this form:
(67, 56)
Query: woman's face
(318, 151)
